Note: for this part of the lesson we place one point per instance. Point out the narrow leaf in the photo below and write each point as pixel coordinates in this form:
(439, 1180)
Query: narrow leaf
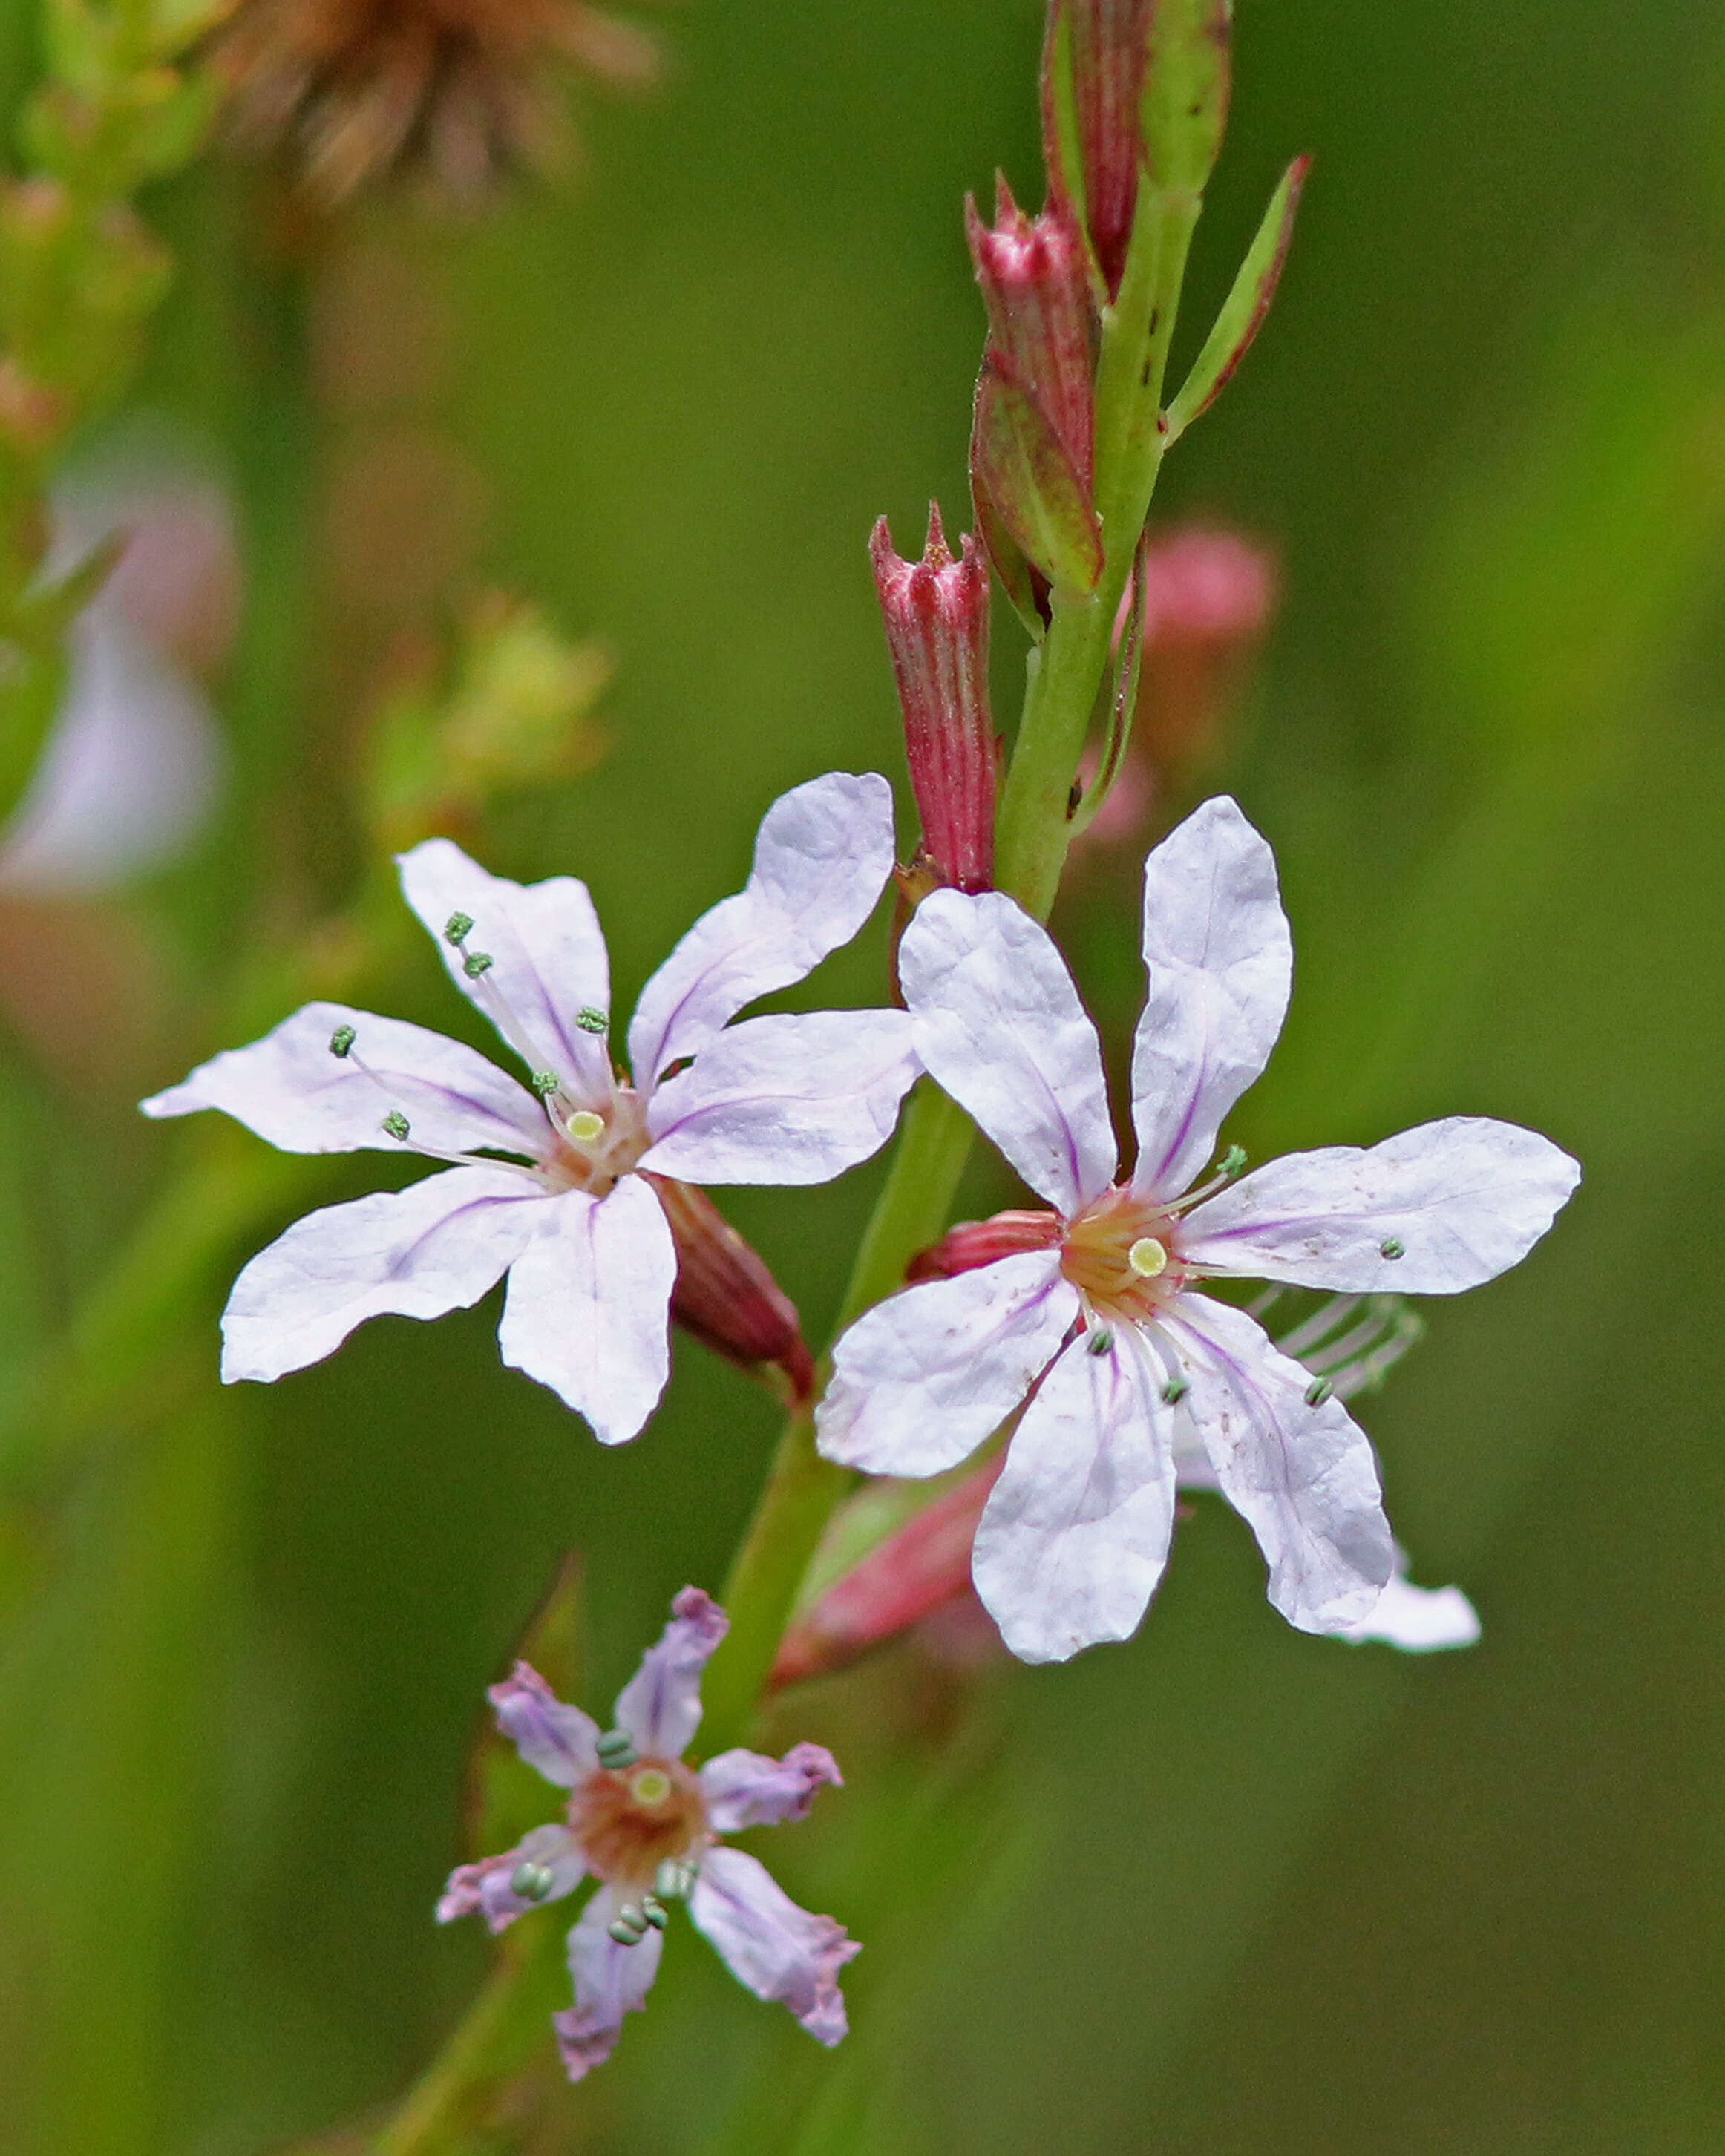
(1020, 462)
(1246, 305)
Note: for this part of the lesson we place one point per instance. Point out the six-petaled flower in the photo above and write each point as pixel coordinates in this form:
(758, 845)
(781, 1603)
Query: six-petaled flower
(551, 1186)
(647, 1827)
(1096, 1312)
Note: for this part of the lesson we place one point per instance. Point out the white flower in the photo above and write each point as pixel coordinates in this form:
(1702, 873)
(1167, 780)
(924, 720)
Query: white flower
(572, 1217)
(646, 1826)
(1095, 1310)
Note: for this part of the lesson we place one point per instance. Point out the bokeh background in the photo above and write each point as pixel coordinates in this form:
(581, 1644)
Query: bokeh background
(1225, 1888)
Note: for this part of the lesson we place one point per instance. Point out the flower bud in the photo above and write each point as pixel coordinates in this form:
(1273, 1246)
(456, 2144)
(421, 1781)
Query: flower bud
(725, 1295)
(936, 616)
(1096, 54)
(1033, 283)
(974, 1243)
(913, 1573)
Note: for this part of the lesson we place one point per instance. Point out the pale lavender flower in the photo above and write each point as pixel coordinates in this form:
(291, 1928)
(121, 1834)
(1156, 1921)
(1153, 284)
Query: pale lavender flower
(1095, 1311)
(647, 1827)
(570, 1212)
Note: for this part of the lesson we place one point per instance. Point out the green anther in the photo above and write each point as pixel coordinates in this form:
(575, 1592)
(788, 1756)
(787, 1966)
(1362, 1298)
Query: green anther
(1318, 1392)
(591, 1020)
(616, 1748)
(531, 1883)
(544, 1083)
(654, 1912)
(475, 963)
(397, 1124)
(1392, 1246)
(1175, 1390)
(1100, 1341)
(1232, 1161)
(672, 1880)
(626, 1933)
(458, 929)
(341, 1039)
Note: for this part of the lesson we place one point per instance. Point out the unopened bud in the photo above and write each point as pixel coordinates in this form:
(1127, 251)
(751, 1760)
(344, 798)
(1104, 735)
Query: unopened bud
(725, 1294)
(974, 1243)
(1035, 285)
(936, 616)
(1094, 66)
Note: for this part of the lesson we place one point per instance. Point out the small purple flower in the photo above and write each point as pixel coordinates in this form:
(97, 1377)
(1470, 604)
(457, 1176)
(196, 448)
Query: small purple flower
(646, 1825)
(1095, 1312)
(556, 1186)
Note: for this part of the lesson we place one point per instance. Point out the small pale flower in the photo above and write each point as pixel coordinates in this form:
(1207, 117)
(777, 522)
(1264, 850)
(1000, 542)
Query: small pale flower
(647, 1827)
(1096, 1311)
(558, 1186)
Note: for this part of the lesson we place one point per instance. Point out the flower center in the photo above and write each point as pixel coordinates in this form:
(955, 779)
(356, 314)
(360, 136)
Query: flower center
(1121, 1256)
(630, 1821)
(591, 1149)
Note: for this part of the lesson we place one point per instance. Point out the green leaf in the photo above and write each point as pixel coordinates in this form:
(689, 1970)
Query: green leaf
(32, 682)
(1245, 306)
(1184, 111)
(1021, 464)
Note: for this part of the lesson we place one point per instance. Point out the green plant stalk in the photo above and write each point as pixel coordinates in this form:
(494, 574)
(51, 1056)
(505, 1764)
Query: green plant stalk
(1066, 675)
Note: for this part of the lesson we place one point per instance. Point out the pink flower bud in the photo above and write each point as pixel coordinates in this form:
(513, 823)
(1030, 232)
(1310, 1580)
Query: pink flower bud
(913, 1573)
(936, 616)
(974, 1243)
(1110, 47)
(1032, 275)
(725, 1295)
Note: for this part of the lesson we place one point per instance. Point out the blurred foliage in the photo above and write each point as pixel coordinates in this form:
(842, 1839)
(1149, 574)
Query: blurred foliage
(1226, 1887)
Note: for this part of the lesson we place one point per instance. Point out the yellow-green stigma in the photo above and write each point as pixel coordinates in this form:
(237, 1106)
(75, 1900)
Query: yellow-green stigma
(1148, 1257)
(584, 1127)
(651, 1787)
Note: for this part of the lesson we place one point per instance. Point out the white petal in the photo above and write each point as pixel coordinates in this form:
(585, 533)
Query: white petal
(659, 1707)
(437, 1245)
(292, 1089)
(1000, 1027)
(1075, 1533)
(589, 1308)
(610, 1981)
(744, 1789)
(823, 852)
(785, 1100)
(1419, 1620)
(768, 1943)
(484, 1889)
(920, 1380)
(556, 1740)
(1465, 1199)
(1220, 962)
(1301, 1475)
(548, 955)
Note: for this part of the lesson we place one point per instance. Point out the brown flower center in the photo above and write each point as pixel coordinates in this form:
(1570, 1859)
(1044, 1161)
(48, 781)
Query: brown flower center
(629, 1820)
(1123, 1256)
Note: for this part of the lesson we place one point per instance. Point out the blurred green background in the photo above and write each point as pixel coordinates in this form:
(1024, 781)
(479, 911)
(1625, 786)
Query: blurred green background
(1226, 1888)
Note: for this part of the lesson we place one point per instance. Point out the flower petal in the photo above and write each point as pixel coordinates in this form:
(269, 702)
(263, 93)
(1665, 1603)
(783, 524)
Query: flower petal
(823, 854)
(745, 1789)
(785, 1100)
(1220, 962)
(437, 1245)
(588, 1309)
(1000, 1027)
(1419, 1620)
(768, 1943)
(1432, 1211)
(920, 1380)
(484, 1889)
(1301, 1473)
(556, 1740)
(1075, 1533)
(547, 955)
(610, 1981)
(292, 1089)
(659, 1707)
